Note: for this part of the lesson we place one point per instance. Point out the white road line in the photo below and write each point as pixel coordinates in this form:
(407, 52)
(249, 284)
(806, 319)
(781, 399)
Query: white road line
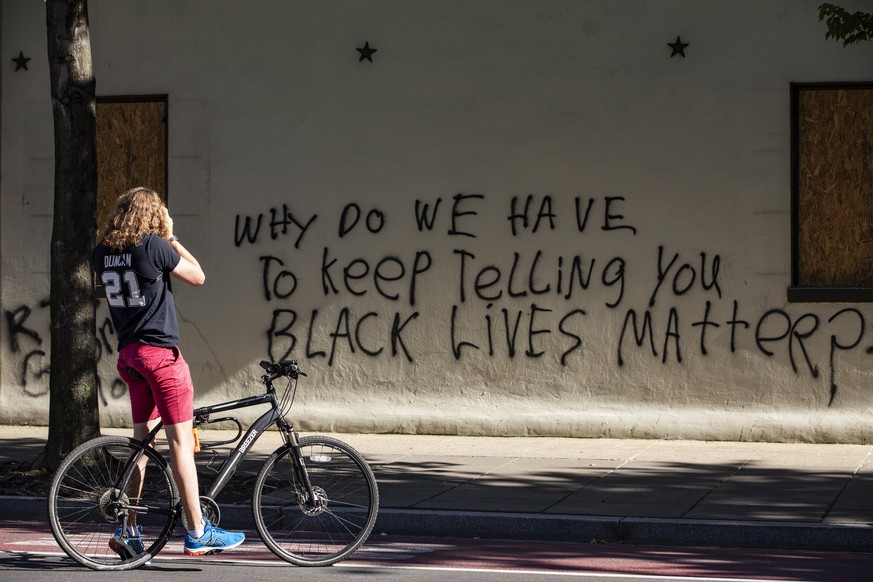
(351, 563)
(549, 573)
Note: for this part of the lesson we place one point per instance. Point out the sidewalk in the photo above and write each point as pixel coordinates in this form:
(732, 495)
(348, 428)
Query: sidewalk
(604, 490)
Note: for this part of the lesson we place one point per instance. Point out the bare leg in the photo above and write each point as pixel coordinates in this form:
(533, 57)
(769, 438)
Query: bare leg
(134, 488)
(181, 440)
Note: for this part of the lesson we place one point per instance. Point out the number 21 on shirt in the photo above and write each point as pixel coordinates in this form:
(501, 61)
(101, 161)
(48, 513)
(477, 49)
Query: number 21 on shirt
(114, 284)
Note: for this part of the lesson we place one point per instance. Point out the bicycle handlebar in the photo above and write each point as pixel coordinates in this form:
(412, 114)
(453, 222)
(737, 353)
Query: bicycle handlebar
(288, 368)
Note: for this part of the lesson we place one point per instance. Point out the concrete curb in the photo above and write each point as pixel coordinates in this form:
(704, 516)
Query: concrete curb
(584, 529)
(747, 534)
(499, 525)
(629, 530)
(23, 508)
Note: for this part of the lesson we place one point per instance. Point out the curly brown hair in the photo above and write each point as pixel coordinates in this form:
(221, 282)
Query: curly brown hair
(140, 212)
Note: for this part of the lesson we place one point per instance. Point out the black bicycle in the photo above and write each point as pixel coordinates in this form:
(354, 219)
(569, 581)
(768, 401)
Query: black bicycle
(315, 498)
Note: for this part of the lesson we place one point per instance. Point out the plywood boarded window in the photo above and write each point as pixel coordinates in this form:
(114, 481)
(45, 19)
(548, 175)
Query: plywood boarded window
(131, 148)
(832, 192)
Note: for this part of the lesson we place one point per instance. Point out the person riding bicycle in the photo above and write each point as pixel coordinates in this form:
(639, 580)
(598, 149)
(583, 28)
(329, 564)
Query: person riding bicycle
(136, 252)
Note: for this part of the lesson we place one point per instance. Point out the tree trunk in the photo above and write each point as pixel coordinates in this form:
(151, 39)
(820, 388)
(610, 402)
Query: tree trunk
(73, 412)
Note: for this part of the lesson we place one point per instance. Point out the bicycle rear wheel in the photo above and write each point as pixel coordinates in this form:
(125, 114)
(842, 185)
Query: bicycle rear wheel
(85, 507)
(324, 533)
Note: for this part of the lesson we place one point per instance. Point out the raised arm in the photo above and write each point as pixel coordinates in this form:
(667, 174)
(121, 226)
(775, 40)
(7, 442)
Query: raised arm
(188, 269)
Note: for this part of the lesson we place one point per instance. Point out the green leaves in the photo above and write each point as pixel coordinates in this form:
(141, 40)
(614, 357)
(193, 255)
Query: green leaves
(848, 27)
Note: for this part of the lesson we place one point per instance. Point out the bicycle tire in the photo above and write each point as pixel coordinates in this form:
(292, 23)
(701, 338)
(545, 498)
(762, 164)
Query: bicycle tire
(83, 522)
(307, 536)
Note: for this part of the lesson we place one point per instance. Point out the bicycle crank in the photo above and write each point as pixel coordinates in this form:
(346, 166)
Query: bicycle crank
(209, 509)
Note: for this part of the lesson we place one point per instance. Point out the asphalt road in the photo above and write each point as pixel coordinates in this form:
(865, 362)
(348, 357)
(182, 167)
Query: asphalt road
(55, 570)
(28, 552)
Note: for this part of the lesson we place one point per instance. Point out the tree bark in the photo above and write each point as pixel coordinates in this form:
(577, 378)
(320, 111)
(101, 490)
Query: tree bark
(73, 409)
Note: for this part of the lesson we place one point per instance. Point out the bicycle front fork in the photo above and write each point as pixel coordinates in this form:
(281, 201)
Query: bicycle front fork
(310, 494)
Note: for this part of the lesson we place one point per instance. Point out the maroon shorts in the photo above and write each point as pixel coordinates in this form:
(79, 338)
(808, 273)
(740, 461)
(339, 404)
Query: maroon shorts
(159, 383)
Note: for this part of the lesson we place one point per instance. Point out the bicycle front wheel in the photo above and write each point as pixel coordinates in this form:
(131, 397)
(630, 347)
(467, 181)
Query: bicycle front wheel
(323, 532)
(86, 506)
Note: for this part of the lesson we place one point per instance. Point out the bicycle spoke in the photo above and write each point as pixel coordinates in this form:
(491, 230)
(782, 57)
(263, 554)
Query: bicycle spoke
(329, 527)
(86, 507)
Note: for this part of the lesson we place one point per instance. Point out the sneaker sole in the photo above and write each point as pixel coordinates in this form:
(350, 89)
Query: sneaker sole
(124, 552)
(120, 549)
(211, 551)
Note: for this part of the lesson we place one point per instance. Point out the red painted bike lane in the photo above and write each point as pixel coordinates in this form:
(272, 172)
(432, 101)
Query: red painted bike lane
(527, 556)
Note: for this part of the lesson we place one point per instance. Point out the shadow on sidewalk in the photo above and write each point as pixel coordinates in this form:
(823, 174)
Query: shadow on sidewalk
(21, 449)
(667, 489)
(664, 490)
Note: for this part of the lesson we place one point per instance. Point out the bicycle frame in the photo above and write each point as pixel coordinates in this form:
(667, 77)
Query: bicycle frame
(228, 468)
(242, 448)
(307, 516)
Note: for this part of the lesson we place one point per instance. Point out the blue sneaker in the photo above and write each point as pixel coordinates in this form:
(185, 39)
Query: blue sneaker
(127, 546)
(214, 540)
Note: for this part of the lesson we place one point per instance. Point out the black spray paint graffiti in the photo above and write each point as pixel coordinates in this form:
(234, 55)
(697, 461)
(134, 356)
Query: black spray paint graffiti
(520, 303)
(791, 335)
(346, 332)
(34, 366)
(17, 330)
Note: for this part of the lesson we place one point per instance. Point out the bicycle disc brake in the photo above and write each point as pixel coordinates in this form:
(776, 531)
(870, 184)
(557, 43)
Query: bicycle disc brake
(317, 507)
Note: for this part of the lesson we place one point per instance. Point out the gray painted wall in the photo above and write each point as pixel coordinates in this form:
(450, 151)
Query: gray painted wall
(475, 111)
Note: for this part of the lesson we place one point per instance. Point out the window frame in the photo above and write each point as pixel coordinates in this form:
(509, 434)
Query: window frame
(150, 98)
(814, 294)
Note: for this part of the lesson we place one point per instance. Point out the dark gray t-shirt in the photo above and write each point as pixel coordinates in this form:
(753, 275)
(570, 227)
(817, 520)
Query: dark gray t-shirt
(136, 283)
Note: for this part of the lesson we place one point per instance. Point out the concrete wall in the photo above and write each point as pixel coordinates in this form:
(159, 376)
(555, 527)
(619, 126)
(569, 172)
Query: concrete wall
(298, 176)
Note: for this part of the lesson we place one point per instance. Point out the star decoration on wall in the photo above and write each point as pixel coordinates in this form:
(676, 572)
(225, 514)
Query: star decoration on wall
(21, 61)
(366, 52)
(678, 47)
